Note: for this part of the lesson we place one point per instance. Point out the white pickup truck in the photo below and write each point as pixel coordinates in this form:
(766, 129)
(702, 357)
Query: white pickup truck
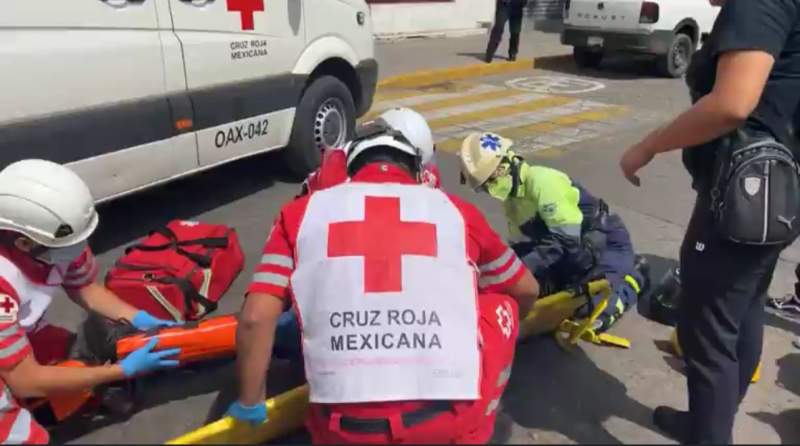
(671, 30)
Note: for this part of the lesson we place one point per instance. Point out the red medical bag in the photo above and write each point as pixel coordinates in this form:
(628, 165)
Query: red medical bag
(178, 272)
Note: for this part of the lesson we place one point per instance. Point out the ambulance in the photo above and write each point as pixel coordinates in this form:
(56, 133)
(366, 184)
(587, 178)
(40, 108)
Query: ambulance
(133, 93)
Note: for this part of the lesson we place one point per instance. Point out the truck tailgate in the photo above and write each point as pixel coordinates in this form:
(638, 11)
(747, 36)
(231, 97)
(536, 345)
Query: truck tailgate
(607, 15)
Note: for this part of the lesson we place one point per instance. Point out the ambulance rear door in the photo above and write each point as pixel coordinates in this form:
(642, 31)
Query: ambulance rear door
(238, 59)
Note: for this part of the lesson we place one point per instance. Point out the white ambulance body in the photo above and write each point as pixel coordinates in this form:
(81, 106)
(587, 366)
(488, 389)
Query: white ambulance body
(132, 93)
(671, 30)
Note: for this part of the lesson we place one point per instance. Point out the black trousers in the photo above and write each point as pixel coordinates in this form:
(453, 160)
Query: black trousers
(721, 322)
(507, 11)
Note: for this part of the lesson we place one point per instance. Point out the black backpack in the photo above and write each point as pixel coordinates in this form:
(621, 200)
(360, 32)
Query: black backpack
(756, 193)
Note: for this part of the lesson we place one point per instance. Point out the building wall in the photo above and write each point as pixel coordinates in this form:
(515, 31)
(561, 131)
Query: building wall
(431, 17)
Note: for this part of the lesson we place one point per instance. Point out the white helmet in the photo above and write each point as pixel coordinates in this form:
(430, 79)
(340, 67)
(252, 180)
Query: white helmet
(47, 202)
(378, 133)
(415, 129)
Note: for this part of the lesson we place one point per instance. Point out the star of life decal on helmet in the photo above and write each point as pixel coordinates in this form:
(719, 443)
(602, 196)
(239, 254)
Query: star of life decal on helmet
(490, 142)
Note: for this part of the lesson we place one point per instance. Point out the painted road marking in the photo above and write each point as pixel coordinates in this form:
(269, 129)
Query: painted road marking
(524, 109)
(544, 134)
(555, 84)
(392, 94)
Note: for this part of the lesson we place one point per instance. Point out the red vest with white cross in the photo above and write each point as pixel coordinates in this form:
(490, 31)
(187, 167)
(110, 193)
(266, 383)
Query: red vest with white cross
(34, 297)
(386, 295)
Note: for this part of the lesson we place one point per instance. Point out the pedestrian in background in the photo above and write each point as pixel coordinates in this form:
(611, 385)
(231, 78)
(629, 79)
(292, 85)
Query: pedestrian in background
(745, 82)
(506, 11)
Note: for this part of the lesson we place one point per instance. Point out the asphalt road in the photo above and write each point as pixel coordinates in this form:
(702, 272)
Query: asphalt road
(595, 394)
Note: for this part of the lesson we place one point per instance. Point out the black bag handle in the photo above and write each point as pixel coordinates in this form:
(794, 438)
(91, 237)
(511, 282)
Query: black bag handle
(189, 292)
(175, 244)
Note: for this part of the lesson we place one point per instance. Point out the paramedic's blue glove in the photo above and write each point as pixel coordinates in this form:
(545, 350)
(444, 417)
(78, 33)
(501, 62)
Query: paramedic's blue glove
(145, 321)
(255, 415)
(287, 336)
(146, 360)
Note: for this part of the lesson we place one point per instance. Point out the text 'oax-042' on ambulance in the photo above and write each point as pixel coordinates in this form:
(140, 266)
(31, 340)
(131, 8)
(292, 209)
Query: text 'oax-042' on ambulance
(206, 74)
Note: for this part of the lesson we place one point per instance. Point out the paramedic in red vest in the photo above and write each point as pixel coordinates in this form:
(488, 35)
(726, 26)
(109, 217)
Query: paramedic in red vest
(413, 126)
(408, 303)
(46, 216)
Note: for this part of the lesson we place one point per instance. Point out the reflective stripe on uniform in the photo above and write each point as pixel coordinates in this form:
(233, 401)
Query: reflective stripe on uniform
(493, 279)
(497, 263)
(21, 429)
(492, 406)
(14, 348)
(504, 375)
(271, 279)
(10, 331)
(277, 260)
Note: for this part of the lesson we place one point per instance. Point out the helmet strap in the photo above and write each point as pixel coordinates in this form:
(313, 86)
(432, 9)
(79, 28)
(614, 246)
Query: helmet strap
(514, 162)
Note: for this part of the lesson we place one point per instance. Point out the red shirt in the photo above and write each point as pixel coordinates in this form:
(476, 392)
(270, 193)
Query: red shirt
(497, 264)
(16, 424)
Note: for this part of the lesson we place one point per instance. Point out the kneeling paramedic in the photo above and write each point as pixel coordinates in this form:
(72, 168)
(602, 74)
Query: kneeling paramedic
(46, 216)
(571, 236)
(408, 304)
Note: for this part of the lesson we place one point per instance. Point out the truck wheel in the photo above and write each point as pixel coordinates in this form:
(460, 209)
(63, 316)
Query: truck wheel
(586, 57)
(325, 117)
(676, 61)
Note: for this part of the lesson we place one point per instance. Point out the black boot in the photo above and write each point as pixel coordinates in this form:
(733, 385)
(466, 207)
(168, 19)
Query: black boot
(642, 266)
(674, 423)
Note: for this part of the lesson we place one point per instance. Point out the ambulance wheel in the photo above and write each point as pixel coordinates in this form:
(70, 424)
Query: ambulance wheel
(325, 117)
(675, 63)
(586, 57)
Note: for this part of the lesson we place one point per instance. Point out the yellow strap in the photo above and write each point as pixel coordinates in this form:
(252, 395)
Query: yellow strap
(633, 283)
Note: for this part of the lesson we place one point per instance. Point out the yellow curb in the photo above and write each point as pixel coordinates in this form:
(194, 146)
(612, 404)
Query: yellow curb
(429, 77)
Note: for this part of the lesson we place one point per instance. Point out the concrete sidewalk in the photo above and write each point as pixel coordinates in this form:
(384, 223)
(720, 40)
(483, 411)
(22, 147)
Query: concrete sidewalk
(433, 52)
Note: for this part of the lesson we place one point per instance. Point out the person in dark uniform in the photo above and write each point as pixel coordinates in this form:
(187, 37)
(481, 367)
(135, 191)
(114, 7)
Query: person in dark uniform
(506, 11)
(746, 76)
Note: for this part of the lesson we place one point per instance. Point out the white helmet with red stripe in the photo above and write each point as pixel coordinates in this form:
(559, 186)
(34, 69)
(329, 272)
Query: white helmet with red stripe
(47, 202)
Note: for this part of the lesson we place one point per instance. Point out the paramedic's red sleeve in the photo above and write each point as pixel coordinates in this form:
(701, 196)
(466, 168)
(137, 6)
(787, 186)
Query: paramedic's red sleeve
(333, 170)
(14, 345)
(82, 272)
(277, 263)
(498, 265)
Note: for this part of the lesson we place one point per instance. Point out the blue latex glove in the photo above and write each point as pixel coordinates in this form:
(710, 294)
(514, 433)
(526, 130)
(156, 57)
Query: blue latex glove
(146, 360)
(146, 321)
(255, 415)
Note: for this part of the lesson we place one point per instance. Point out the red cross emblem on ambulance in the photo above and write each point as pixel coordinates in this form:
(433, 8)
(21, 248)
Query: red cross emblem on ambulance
(9, 308)
(247, 10)
(382, 239)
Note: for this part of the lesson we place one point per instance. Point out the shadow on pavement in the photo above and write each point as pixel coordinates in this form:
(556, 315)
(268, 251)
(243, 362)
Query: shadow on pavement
(129, 218)
(787, 423)
(613, 67)
(788, 378)
(567, 393)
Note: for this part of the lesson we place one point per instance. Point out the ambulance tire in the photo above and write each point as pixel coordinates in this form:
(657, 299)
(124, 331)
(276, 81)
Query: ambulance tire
(326, 116)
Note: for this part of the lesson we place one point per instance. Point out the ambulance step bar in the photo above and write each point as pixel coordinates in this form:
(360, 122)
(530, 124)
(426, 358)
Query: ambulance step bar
(287, 410)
